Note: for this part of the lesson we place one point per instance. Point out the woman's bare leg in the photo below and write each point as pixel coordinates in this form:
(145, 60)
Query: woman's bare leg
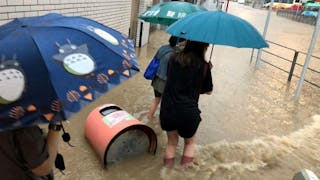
(188, 151)
(173, 139)
(153, 107)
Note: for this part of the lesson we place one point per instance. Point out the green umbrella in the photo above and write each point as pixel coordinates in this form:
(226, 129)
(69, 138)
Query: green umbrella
(168, 12)
(312, 5)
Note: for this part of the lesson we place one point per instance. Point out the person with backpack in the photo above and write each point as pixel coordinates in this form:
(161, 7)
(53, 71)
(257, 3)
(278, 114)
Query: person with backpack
(159, 81)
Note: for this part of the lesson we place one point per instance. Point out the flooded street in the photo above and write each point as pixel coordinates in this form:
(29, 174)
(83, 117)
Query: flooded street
(251, 126)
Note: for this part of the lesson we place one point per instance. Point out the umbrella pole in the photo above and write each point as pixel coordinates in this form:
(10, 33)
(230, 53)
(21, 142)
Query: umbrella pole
(251, 55)
(306, 64)
(227, 5)
(211, 52)
(264, 33)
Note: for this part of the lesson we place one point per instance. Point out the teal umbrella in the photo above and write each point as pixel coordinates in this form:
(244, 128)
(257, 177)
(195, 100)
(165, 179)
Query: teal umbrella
(218, 27)
(169, 12)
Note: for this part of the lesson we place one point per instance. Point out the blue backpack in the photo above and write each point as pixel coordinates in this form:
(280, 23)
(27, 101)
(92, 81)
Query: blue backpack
(153, 66)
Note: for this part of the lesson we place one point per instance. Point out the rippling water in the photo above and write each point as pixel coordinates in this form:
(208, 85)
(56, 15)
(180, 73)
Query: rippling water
(268, 157)
(251, 129)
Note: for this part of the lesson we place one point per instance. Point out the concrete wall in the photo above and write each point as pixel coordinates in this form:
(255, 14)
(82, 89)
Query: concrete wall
(113, 13)
(143, 27)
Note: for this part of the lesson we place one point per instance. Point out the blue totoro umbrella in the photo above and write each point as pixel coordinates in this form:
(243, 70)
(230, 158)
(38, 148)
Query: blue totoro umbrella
(218, 27)
(53, 60)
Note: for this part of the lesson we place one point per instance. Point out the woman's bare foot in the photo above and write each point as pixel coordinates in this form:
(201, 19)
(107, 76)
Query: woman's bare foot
(150, 117)
(187, 161)
(169, 162)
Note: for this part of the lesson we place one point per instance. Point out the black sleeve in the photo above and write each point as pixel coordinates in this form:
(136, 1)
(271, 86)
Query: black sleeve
(207, 85)
(33, 146)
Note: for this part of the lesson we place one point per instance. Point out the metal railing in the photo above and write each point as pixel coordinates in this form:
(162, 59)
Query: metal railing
(293, 60)
(296, 16)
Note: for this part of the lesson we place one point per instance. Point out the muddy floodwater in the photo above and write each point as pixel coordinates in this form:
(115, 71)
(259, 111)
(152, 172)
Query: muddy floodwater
(251, 129)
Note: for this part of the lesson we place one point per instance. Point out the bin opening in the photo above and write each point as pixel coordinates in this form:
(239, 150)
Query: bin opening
(108, 110)
(115, 134)
(132, 141)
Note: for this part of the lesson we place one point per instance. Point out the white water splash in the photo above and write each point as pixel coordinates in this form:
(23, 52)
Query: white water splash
(223, 160)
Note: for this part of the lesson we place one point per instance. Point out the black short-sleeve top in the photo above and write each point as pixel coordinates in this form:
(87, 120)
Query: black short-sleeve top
(185, 84)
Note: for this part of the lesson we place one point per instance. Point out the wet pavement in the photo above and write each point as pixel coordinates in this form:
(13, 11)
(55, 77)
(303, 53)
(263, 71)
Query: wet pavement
(252, 127)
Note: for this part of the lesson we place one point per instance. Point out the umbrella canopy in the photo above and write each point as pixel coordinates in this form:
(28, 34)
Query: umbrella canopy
(54, 58)
(312, 5)
(168, 12)
(217, 27)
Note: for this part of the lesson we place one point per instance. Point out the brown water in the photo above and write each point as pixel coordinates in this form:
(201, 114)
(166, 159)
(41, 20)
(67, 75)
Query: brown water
(252, 128)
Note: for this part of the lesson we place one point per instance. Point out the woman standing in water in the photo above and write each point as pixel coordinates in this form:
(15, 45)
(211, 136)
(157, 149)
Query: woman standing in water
(189, 76)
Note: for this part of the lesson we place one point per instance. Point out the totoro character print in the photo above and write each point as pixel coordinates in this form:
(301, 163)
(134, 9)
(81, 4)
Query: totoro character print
(76, 60)
(104, 35)
(12, 81)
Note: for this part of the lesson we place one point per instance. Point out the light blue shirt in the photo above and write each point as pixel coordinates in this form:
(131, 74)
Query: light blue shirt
(163, 54)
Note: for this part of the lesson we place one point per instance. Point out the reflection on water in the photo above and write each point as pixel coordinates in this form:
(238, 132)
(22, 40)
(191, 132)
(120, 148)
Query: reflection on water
(251, 127)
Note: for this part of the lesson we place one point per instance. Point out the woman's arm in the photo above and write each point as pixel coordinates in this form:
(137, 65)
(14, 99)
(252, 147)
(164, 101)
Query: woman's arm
(206, 85)
(209, 93)
(46, 167)
(52, 143)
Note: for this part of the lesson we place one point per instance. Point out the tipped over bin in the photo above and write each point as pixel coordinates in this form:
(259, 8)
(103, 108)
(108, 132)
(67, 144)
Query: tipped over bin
(115, 134)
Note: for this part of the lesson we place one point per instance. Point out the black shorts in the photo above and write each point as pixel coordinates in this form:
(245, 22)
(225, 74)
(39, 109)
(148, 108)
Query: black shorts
(157, 93)
(186, 123)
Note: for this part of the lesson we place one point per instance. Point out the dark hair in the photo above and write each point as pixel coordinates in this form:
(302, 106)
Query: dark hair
(192, 52)
(173, 41)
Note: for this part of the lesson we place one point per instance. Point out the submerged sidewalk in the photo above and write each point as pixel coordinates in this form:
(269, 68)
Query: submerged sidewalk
(251, 127)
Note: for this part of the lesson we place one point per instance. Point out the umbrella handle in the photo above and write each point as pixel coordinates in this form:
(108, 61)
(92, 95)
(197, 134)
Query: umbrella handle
(66, 136)
(211, 53)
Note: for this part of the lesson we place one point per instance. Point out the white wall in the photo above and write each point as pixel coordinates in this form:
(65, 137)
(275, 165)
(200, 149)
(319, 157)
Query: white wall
(113, 13)
(146, 26)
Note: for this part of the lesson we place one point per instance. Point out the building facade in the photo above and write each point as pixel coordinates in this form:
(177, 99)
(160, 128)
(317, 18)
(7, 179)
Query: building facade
(117, 14)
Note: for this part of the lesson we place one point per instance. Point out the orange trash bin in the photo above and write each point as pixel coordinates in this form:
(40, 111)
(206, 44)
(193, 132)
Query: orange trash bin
(114, 134)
